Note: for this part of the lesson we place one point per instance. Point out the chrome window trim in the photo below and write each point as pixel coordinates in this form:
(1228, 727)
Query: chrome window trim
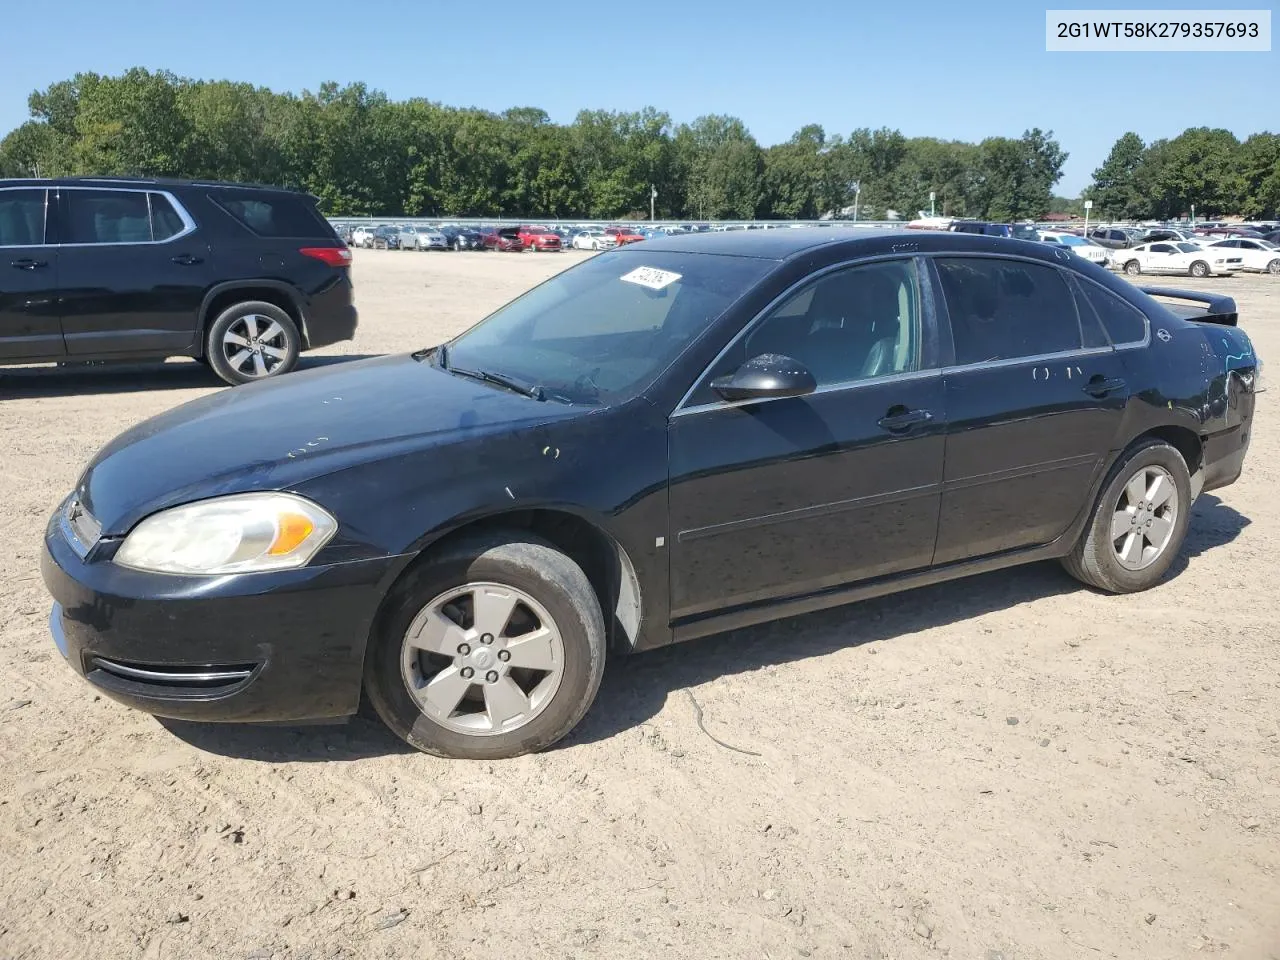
(188, 222)
(1032, 361)
(843, 385)
(912, 256)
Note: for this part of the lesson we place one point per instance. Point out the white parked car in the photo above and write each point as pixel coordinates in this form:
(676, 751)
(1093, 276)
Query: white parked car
(1177, 257)
(1260, 255)
(1080, 246)
(594, 240)
(422, 238)
(362, 237)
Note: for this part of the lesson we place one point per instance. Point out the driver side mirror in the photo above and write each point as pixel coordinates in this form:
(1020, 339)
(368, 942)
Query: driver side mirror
(768, 375)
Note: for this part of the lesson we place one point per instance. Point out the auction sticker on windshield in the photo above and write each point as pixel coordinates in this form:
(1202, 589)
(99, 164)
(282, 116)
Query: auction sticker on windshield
(651, 277)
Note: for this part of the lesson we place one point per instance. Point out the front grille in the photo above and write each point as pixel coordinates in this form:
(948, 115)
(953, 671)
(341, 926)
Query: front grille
(212, 676)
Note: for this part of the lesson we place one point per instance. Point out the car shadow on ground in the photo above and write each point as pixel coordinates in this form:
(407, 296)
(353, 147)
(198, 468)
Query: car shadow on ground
(636, 688)
(94, 378)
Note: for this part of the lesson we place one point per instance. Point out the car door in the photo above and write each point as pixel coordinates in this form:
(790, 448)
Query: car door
(133, 271)
(788, 496)
(29, 312)
(1034, 401)
(1165, 258)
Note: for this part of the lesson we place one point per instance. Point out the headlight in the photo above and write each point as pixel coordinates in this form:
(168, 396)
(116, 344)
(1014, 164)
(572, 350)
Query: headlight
(245, 533)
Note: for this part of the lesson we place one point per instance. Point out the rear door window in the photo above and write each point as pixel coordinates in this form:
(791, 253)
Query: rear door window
(1007, 309)
(107, 216)
(274, 215)
(165, 221)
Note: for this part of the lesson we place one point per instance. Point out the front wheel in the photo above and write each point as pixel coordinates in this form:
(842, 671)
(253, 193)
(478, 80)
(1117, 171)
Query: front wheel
(1133, 268)
(492, 648)
(1273, 267)
(1199, 269)
(1138, 524)
(252, 341)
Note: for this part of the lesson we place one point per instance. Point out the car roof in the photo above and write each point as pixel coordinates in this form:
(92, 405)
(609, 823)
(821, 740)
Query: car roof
(862, 241)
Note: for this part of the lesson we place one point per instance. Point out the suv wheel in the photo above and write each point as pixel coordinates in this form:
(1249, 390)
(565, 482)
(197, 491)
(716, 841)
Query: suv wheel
(492, 648)
(252, 341)
(1138, 524)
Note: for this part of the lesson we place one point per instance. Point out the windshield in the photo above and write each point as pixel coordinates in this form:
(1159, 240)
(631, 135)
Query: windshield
(1023, 232)
(601, 331)
(1267, 245)
(1187, 247)
(1071, 241)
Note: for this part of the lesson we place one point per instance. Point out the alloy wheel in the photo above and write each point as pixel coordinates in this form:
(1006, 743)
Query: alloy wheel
(482, 659)
(254, 346)
(1145, 517)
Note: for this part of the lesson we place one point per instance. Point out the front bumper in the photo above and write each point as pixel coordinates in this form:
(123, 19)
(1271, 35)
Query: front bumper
(275, 647)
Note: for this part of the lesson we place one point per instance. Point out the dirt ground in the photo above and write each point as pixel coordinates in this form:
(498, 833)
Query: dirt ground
(1003, 768)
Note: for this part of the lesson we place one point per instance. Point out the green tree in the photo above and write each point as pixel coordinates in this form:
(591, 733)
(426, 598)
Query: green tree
(1117, 191)
(1260, 170)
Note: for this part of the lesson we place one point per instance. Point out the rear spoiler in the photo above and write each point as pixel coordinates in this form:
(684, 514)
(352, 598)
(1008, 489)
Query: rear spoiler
(1216, 309)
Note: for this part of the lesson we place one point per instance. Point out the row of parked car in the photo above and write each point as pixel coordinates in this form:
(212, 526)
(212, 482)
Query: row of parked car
(504, 239)
(1212, 249)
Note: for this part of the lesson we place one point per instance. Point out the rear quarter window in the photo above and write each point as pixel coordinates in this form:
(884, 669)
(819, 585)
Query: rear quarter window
(1124, 323)
(279, 215)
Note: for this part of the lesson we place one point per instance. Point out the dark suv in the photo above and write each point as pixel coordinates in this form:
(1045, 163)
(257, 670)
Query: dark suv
(1019, 231)
(241, 277)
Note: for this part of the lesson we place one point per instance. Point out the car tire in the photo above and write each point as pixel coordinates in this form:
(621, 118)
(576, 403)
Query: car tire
(457, 245)
(239, 320)
(1096, 560)
(443, 586)
(1132, 268)
(1273, 267)
(1199, 269)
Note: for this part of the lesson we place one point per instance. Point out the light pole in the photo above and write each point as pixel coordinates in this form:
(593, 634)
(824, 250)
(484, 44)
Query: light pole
(1193, 216)
(1088, 205)
(653, 195)
(856, 187)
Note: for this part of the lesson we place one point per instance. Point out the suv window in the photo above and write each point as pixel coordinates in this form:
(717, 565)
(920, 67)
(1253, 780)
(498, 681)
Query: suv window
(1007, 309)
(275, 215)
(165, 222)
(850, 325)
(107, 216)
(1123, 323)
(21, 218)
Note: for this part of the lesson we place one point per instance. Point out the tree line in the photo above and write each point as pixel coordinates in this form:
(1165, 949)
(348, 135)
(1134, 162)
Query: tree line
(1208, 168)
(362, 153)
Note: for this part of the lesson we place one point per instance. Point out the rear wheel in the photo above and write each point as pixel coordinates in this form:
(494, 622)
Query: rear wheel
(1199, 269)
(1138, 524)
(1273, 267)
(252, 341)
(1132, 268)
(492, 648)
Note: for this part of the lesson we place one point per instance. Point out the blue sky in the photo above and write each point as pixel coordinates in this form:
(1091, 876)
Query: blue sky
(962, 70)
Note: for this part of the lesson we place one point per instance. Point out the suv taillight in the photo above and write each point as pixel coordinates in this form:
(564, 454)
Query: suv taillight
(333, 256)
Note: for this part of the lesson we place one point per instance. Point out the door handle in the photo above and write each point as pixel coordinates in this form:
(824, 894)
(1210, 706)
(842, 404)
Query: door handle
(1100, 386)
(186, 260)
(900, 418)
(28, 264)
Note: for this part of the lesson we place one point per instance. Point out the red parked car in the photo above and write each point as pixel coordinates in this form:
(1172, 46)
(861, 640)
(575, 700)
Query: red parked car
(540, 238)
(624, 235)
(503, 239)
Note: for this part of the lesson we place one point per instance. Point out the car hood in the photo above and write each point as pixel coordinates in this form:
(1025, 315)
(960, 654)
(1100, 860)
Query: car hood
(279, 433)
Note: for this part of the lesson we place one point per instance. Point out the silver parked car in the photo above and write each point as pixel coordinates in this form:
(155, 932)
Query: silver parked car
(422, 238)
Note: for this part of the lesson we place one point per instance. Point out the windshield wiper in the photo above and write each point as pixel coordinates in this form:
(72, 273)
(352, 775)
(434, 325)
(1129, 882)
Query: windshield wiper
(501, 379)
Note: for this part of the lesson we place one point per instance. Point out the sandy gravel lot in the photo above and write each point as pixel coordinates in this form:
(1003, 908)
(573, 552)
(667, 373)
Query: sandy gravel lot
(1004, 768)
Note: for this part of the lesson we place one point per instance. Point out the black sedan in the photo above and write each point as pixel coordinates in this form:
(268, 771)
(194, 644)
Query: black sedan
(665, 441)
(463, 238)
